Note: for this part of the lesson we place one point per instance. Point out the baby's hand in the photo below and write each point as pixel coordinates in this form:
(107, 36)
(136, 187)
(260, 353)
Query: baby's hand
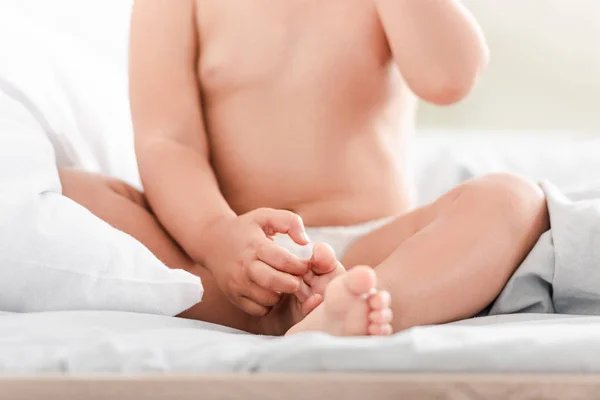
(253, 271)
(323, 267)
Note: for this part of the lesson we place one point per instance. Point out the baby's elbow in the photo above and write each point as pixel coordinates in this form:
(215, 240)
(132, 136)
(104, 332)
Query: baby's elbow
(450, 87)
(446, 94)
(448, 90)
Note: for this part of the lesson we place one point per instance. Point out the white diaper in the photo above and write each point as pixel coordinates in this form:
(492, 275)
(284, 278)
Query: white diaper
(338, 237)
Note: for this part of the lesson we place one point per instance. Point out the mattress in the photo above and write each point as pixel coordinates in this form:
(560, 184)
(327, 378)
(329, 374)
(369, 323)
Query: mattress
(114, 342)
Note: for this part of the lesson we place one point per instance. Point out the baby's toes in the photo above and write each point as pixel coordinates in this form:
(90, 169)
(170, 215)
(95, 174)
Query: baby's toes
(380, 300)
(323, 260)
(381, 317)
(380, 329)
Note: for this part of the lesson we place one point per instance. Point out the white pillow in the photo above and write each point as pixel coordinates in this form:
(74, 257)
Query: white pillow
(55, 254)
(75, 54)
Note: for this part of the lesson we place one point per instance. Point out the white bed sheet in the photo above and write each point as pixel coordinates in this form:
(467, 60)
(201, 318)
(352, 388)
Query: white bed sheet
(84, 342)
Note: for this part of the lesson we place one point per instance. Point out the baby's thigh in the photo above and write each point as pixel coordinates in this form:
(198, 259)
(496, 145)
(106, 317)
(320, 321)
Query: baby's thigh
(379, 244)
(482, 205)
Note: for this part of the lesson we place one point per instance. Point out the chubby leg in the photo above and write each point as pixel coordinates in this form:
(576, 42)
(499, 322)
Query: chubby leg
(346, 312)
(450, 259)
(126, 209)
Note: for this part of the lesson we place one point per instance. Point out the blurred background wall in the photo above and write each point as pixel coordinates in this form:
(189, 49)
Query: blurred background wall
(544, 72)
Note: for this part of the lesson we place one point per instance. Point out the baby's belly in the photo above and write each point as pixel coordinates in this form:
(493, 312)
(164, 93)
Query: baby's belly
(326, 184)
(312, 146)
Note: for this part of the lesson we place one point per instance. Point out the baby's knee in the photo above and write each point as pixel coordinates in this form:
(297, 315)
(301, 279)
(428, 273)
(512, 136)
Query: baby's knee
(124, 189)
(74, 183)
(520, 202)
(80, 186)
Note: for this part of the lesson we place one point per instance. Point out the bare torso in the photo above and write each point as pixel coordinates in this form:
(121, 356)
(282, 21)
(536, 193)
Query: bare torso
(245, 109)
(304, 108)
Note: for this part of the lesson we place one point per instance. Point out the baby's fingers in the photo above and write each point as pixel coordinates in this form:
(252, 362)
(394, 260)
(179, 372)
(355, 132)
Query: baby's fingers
(281, 259)
(253, 308)
(281, 221)
(269, 278)
(262, 296)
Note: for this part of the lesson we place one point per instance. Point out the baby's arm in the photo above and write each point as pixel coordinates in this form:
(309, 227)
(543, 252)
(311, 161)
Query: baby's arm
(170, 140)
(174, 161)
(437, 44)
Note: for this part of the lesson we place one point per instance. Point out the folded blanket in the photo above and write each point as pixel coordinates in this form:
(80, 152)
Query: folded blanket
(562, 273)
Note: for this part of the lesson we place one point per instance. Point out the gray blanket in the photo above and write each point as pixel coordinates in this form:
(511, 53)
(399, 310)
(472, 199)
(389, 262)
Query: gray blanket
(562, 273)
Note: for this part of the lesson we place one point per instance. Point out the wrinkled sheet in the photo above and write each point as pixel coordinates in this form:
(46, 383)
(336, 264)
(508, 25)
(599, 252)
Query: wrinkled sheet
(88, 342)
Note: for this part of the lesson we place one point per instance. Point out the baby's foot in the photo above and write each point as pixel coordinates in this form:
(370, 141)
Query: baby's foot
(323, 268)
(352, 307)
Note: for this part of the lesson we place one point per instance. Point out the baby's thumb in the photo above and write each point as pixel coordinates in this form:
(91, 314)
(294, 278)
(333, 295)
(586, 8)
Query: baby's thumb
(282, 221)
(297, 231)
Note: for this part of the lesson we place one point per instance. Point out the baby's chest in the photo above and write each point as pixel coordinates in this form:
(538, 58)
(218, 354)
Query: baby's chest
(265, 42)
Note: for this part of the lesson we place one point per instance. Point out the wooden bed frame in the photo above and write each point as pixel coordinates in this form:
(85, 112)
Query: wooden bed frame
(301, 386)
